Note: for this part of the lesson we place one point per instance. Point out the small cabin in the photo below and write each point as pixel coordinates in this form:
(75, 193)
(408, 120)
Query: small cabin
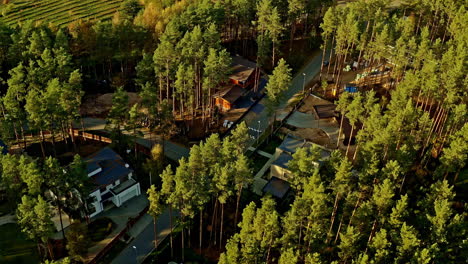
(242, 72)
(226, 99)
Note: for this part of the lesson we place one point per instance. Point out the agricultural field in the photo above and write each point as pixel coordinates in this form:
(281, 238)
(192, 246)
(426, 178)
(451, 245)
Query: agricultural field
(57, 12)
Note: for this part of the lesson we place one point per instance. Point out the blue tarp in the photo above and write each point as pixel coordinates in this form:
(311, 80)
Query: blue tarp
(351, 89)
(4, 148)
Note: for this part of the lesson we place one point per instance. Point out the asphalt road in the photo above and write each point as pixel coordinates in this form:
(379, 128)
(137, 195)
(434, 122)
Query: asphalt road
(258, 121)
(144, 242)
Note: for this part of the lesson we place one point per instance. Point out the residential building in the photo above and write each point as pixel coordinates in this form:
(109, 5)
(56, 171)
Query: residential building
(242, 72)
(284, 152)
(113, 180)
(226, 99)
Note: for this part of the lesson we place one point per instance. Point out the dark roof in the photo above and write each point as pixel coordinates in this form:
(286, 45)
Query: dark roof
(290, 144)
(277, 187)
(241, 68)
(325, 111)
(231, 93)
(324, 154)
(112, 165)
(4, 147)
(283, 160)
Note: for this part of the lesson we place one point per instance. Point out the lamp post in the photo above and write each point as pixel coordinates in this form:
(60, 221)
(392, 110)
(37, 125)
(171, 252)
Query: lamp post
(136, 254)
(303, 84)
(258, 131)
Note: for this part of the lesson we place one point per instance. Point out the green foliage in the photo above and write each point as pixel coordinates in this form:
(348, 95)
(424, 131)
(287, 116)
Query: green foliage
(77, 241)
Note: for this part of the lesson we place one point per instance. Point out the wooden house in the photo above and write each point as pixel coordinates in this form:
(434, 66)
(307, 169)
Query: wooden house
(226, 99)
(243, 72)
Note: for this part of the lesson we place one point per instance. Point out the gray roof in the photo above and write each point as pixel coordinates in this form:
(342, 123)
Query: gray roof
(290, 144)
(241, 68)
(277, 187)
(112, 165)
(325, 111)
(283, 160)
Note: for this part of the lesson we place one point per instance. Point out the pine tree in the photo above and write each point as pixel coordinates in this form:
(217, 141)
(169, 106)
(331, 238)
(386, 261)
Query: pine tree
(155, 210)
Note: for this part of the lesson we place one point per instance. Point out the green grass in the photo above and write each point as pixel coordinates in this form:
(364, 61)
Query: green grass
(100, 229)
(15, 248)
(59, 13)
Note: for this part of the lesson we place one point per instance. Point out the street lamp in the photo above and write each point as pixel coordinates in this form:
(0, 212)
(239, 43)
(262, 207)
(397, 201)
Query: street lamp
(258, 132)
(136, 254)
(303, 85)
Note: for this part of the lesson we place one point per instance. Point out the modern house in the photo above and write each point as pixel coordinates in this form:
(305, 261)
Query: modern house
(242, 72)
(226, 99)
(284, 152)
(113, 179)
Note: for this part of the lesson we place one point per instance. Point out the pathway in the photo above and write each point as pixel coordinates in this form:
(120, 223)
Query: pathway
(171, 150)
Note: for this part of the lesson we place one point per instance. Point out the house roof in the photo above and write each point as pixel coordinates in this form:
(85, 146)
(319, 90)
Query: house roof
(325, 111)
(283, 160)
(277, 187)
(290, 144)
(231, 93)
(112, 165)
(241, 68)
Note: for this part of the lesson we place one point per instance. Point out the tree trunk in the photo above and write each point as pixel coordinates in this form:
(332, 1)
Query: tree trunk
(170, 225)
(349, 140)
(339, 228)
(339, 132)
(237, 206)
(221, 228)
(332, 221)
(61, 222)
(42, 143)
(201, 228)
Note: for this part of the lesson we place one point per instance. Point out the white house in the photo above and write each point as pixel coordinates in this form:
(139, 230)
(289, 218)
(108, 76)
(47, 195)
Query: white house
(113, 179)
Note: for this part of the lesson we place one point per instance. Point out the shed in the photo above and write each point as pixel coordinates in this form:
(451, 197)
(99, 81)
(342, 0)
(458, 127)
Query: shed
(325, 111)
(226, 98)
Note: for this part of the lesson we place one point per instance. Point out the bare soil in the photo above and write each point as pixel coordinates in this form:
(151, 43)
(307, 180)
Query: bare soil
(98, 105)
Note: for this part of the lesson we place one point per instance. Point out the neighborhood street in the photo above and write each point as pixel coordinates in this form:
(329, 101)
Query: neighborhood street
(259, 120)
(137, 250)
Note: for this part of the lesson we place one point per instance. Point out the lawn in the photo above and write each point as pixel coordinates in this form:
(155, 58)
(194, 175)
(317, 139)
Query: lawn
(269, 146)
(100, 229)
(258, 161)
(60, 13)
(15, 248)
